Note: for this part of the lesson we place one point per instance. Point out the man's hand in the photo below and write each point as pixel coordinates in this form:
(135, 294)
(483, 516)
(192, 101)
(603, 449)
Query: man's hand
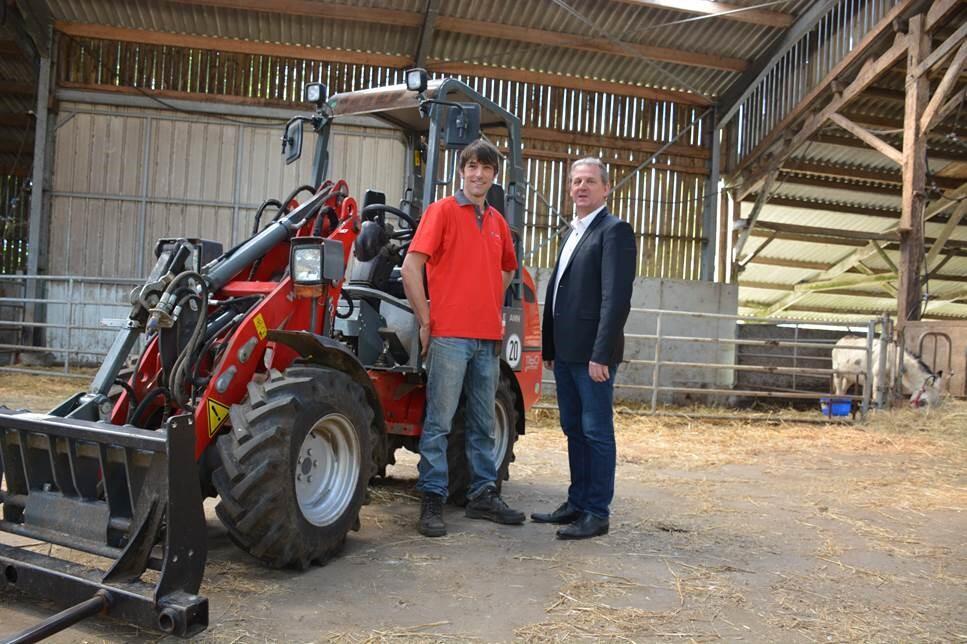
(598, 372)
(548, 364)
(424, 339)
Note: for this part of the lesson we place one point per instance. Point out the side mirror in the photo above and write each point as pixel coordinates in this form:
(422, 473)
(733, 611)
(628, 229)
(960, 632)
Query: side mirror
(292, 141)
(463, 125)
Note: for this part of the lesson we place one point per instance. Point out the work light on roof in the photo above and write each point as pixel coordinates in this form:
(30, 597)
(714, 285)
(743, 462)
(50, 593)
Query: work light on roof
(416, 80)
(315, 93)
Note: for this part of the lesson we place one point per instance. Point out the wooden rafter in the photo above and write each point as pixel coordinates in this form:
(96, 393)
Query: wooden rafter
(886, 285)
(850, 261)
(415, 19)
(948, 108)
(846, 238)
(234, 45)
(824, 181)
(589, 44)
(721, 10)
(10, 48)
(869, 72)
(749, 222)
(313, 9)
(860, 173)
(868, 137)
(427, 29)
(931, 112)
(11, 119)
(34, 19)
(16, 88)
(763, 159)
(853, 209)
(570, 82)
(83, 30)
(857, 235)
(944, 236)
(592, 140)
(849, 279)
(941, 51)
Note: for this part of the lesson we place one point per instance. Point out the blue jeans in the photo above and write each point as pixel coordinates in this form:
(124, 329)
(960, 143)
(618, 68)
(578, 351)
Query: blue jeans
(456, 365)
(587, 419)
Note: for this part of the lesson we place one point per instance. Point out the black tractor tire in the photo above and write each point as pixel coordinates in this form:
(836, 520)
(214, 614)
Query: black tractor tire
(260, 463)
(506, 418)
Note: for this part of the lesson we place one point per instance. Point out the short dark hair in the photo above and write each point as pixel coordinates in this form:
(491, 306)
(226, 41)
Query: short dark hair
(481, 151)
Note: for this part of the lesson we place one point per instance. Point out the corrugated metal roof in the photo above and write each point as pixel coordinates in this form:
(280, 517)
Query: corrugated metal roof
(832, 196)
(582, 18)
(588, 19)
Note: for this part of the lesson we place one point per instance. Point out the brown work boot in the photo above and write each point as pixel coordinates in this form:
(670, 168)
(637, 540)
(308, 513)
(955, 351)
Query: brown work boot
(431, 516)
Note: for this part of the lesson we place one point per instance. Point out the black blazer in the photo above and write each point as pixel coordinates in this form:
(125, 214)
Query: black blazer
(594, 296)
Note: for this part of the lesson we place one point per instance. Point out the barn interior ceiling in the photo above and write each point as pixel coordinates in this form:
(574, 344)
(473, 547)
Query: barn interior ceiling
(832, 195)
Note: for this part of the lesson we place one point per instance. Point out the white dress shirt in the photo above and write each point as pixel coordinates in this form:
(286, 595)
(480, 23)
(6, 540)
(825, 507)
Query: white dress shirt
(579, 225)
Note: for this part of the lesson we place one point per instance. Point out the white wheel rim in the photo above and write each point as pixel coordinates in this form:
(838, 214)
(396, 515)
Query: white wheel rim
(502, 431)
(327, 470)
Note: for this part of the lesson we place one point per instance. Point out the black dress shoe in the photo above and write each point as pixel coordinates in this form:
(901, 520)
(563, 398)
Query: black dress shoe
(567, 513)
(584, 528)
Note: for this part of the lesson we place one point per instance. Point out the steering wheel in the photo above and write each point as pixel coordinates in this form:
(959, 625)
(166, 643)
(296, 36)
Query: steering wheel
(370, 213)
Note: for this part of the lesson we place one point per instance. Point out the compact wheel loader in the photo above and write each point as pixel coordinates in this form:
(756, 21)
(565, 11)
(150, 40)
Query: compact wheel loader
(280, 375)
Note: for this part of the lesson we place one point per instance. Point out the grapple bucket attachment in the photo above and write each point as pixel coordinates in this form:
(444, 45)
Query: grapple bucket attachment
(128, 495)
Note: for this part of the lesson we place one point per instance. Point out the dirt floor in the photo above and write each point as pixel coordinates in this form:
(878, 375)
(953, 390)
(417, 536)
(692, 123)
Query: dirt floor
(767, 531)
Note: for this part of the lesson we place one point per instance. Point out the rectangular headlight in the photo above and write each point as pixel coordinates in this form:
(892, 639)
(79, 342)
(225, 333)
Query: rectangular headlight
(307, 265)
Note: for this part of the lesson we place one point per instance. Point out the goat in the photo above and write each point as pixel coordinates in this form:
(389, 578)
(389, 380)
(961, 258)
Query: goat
(917, 380)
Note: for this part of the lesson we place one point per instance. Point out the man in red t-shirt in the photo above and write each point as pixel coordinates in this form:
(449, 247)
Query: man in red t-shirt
(466, 248)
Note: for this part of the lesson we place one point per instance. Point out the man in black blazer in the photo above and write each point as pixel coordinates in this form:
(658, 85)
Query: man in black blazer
(587, 303)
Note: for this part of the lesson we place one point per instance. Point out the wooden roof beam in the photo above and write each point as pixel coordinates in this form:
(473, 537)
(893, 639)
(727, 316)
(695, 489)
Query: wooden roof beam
(764, 159)
(826, 182)
(234, 45)
(589, 44)
(84, 30)
(821, 266)
(852, 209)
(15, 88)
(569, 82)
(427, 30)
(721, 10)
(10, 48)
(415, 20)
(848, 141)
(14, 119)
(314, 9)
(861, 173)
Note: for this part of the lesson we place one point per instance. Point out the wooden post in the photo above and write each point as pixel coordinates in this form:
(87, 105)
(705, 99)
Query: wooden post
(914, 178)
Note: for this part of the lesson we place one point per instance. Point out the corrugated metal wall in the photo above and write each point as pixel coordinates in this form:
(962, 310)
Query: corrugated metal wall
(124, 177)
(663, 202)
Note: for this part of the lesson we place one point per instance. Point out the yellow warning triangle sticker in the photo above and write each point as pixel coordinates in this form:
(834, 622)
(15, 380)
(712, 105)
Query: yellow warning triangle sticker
(217, 413)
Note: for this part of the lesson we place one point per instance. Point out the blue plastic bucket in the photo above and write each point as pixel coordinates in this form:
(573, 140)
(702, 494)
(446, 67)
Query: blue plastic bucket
(836, 406)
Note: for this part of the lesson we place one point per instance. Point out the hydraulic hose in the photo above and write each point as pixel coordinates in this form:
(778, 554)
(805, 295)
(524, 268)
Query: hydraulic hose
(183, 363)
(258, 213)
(129, 389)
(292, 195)
(133, 418)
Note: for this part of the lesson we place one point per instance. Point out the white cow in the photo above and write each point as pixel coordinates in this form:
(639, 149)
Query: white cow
(849, 364)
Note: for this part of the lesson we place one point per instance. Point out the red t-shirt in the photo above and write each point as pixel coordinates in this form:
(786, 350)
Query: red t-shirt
(464, 267)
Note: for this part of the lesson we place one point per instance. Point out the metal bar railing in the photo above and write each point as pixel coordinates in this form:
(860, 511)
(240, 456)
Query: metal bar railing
(803, 368)
(68, 322)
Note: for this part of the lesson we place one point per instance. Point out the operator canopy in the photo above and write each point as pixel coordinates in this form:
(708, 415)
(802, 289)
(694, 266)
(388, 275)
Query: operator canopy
(400, 106)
